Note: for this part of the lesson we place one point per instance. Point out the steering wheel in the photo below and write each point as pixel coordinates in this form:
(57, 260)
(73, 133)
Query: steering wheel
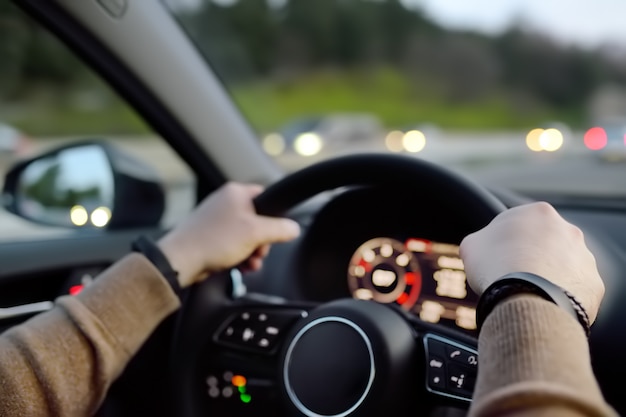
(342, 358)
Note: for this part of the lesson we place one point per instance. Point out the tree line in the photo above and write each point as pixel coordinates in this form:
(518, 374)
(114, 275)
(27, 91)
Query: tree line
(305, 35)
(247, 40)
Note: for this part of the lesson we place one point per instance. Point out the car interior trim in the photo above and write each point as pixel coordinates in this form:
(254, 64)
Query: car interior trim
(174, 73)
(11, 313)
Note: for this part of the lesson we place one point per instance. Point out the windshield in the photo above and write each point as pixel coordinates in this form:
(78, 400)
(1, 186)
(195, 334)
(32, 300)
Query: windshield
(526, 95)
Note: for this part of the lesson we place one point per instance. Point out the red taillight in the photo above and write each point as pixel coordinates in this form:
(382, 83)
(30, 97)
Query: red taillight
(595, 138)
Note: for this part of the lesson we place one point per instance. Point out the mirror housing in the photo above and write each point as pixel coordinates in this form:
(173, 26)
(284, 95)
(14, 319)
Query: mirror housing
(87, 185)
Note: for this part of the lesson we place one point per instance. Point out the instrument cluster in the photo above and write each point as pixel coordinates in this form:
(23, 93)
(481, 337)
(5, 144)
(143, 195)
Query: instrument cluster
(422, 276)
(391, 246)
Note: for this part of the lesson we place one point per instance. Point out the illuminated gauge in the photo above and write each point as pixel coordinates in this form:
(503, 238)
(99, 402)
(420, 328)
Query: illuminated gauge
(384, 270)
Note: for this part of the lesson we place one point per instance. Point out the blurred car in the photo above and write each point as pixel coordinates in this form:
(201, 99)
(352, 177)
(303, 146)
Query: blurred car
(549, 137)
(608, 139)
(413, 139)
(12, 141)
(308, 136)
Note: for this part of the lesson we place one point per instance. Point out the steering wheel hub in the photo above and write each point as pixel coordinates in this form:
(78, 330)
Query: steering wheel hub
(331, 378)
(345, 359)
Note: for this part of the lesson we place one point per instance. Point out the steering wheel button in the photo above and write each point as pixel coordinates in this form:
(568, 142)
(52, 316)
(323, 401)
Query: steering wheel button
(435, 363)
(462, 356)
(247, 335)
(214, 392)
(229, 334)
(272, 330)
(212, 381)
(461, 380)
(227, 392)
(256, 330)
(437, 379)
(457, 381)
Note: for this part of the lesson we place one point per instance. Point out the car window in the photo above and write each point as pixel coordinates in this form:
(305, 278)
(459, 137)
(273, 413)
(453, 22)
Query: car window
(49, 98)
(526, 95)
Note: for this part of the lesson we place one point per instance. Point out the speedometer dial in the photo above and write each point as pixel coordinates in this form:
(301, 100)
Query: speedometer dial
(384, 270)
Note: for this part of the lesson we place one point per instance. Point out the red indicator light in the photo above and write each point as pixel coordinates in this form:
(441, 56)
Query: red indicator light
(403, 298)
(75, 289)
(419, 245)
(595, 138)
(366, 265)
(238, 381)
(416, 285)
(409, 278)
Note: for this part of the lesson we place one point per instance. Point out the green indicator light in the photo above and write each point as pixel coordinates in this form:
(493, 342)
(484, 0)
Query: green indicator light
(242, 390)
(245, 398)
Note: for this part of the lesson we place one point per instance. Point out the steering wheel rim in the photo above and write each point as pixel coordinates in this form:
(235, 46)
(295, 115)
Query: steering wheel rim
(375, 169)
(206, 302)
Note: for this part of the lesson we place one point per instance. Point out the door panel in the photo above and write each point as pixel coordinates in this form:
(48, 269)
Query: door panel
(40, 271)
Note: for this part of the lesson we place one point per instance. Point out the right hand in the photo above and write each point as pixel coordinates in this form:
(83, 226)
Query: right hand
(222, 232)
(534, 238)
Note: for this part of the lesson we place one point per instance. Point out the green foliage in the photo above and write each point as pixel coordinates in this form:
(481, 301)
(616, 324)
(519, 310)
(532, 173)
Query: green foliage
(319, 56)
(45, 120)
(385, 92)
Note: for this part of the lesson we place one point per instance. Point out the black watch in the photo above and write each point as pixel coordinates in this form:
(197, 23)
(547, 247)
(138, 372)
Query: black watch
(527, 283)
(151, 251)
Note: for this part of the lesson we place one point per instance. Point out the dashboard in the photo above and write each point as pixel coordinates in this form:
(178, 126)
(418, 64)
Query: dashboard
(421, 276)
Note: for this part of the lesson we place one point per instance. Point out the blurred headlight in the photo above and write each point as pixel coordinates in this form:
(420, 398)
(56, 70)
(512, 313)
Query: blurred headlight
(308, 144)
(548, 140)
(393, 141)
(100, 217)
(274, 144)
(551, 140)
(532, 140)
(79, 215)
(414, 141)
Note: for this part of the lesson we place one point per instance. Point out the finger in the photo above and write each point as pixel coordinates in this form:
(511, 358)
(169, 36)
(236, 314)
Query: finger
(252, 190)
(262, 251)
(252, 264)
(274, 229)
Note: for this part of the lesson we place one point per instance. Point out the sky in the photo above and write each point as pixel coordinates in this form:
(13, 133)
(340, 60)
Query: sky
(586, 23)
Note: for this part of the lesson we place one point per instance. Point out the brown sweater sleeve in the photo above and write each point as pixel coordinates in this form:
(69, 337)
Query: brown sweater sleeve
(534, 361)
(62, 362)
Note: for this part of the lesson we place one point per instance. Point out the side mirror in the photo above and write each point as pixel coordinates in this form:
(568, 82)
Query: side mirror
(86, 185)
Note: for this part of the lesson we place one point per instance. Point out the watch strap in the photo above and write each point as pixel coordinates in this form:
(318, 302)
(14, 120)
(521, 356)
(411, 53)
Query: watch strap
(148, 248)
(528, 283)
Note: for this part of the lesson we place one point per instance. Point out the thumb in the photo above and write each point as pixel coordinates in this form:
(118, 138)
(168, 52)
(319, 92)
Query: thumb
(275, 229)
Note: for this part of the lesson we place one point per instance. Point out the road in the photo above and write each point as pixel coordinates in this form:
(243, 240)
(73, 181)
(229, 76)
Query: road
(581, 175)
(505, 162)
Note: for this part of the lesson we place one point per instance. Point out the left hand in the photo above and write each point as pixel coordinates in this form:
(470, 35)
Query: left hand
(222, 232)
